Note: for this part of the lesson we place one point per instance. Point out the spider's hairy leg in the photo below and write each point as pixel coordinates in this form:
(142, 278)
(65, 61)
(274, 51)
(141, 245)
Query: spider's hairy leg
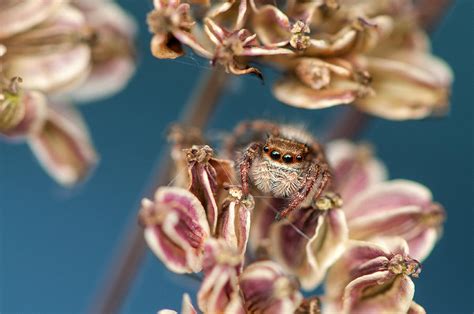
(298, 198)
(249, 127)
(248, 157)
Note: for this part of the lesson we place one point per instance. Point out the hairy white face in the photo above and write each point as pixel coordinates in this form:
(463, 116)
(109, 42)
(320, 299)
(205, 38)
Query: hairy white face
(275, 178)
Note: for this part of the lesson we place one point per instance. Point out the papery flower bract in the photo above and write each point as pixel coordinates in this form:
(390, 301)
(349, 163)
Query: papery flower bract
(53, 56)
(318, 83)
(222, 266)
(175, 228)
(310, 254)
(63, 146)
(372, 278)
(207, 176)
(265, 288)
(407, 85)
(375, 208)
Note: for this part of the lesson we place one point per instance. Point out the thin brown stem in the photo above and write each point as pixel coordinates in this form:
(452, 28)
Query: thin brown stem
(348, 125)
(131, 250)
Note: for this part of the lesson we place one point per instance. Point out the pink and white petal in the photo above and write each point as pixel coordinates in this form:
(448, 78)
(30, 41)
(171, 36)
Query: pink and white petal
(186, 204)
(63, 146)
(339, 44)
(422, 245)
(355, 169)
(234, 225)
(266, 289)
(272, 26)
(386, 196)
(342, 272)
(204, 186)
(325, 247)
(293, 92)
(218, 287)
(412, 223)
(397, 299)
(55, 72)
(25, 14)
(290, 239)
(176, 228)
(425, 78)
(172, 255)
(105, 79)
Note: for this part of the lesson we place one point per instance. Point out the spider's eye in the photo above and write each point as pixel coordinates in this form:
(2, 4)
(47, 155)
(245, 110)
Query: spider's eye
(266, 149)
(287, 158)
(299, 158)
(275, 155)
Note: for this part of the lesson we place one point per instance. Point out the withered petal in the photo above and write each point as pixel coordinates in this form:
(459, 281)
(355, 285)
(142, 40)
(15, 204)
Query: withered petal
(25, 14)
(292, 92)
(355, 169)
(63, 146)
(166, 46)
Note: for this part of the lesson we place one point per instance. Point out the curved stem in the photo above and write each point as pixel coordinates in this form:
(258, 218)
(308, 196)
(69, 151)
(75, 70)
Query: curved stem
(131, 250)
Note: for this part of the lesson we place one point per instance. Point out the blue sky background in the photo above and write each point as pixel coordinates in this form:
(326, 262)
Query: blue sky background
(56, 244)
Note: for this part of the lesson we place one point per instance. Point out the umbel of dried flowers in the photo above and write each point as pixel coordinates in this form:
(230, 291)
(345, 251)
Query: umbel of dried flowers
(53, 52)
(365, 243)
(371, 54)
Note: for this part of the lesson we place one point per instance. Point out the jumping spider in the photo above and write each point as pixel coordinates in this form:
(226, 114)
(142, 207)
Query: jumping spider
(289, 163)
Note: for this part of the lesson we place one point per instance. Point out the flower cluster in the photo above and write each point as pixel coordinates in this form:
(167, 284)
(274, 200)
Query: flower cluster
(368, 53)
(53, 53)
(365, 239)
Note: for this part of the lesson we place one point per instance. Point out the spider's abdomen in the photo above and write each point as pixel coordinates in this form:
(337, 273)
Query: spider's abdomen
(276, 179)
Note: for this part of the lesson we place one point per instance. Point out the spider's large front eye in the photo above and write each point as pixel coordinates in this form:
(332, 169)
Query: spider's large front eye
(275, 155)
(287, 158)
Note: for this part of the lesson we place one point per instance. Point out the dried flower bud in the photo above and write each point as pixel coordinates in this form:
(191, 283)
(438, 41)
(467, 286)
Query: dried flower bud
(175, 228)
(234, 219)
(372, 278)
(208, 175)
(63, 146)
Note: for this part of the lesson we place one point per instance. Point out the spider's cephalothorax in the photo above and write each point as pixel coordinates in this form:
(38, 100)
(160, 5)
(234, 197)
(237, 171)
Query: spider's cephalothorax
(283, 161)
